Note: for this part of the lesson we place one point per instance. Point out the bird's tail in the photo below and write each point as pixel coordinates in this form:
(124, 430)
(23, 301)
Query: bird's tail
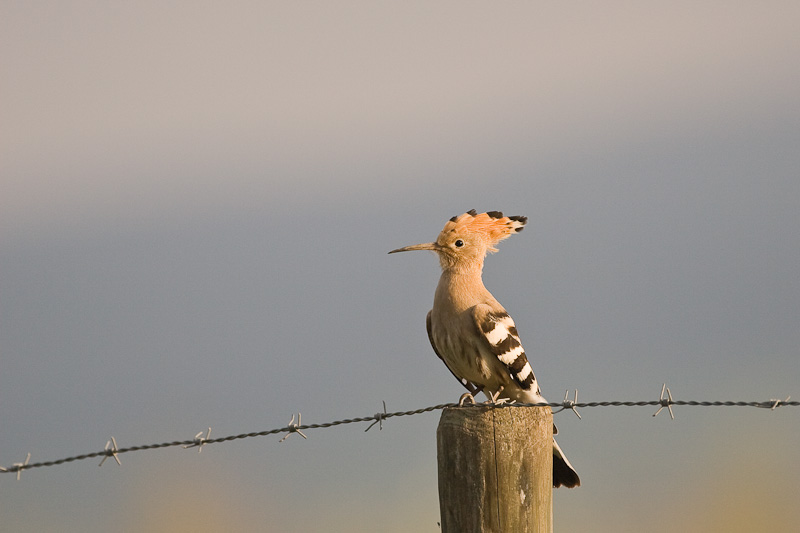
(563, 472)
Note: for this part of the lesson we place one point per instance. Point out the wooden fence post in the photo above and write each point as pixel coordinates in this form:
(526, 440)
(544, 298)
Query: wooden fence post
(495, 469)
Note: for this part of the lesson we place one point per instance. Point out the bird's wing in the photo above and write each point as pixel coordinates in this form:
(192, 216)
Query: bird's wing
(469, 386)
(499, 335)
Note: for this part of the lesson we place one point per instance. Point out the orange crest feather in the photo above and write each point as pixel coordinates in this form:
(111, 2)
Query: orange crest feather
(492, 226)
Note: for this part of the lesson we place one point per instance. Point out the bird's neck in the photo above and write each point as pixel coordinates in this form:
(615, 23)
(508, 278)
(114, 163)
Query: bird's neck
(460, 288)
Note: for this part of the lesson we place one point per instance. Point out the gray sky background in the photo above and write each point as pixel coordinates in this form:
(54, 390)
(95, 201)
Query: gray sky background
(197, 201)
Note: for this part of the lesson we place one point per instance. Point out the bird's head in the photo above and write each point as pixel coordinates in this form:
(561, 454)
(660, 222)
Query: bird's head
(467, 238)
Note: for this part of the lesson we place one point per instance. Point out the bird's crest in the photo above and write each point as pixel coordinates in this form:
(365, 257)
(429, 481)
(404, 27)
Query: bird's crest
(492, 226)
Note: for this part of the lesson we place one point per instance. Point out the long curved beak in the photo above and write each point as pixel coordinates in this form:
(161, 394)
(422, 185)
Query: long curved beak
(425, 246)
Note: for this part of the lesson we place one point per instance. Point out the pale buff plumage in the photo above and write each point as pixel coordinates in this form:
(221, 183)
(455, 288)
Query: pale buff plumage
(470, 330)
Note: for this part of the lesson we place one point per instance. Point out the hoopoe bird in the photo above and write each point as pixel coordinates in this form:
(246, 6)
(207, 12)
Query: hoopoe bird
(468, 328)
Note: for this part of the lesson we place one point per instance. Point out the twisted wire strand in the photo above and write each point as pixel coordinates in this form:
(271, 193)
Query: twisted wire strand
(291, 428)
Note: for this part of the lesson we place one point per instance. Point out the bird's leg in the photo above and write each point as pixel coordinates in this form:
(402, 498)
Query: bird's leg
(471, 387)
(474, 390)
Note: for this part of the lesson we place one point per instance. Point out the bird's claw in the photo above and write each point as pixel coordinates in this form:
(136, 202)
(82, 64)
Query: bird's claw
(467, 396)
(495, 399)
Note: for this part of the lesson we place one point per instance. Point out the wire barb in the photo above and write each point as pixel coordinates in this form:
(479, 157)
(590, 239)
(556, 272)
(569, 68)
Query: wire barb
(665, 401)
(378, 419)
(774, 404)
(294, 428)
(199, 441)
(111, 451)
(18, 467)
(570, 404)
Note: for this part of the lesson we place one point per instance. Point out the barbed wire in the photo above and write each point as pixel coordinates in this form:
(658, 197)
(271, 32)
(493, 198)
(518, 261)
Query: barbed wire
(467, 401)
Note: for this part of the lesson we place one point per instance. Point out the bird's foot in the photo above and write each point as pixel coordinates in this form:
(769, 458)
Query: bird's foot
(466, 397)
(495, 399)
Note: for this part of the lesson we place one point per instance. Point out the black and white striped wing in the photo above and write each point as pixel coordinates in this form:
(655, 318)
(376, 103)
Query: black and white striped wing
(502, 339)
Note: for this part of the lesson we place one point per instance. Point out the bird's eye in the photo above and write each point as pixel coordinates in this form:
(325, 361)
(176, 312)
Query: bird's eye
(459, 243)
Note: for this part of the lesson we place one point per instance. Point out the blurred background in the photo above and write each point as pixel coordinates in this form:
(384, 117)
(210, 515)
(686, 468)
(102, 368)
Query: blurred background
(197, 198)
